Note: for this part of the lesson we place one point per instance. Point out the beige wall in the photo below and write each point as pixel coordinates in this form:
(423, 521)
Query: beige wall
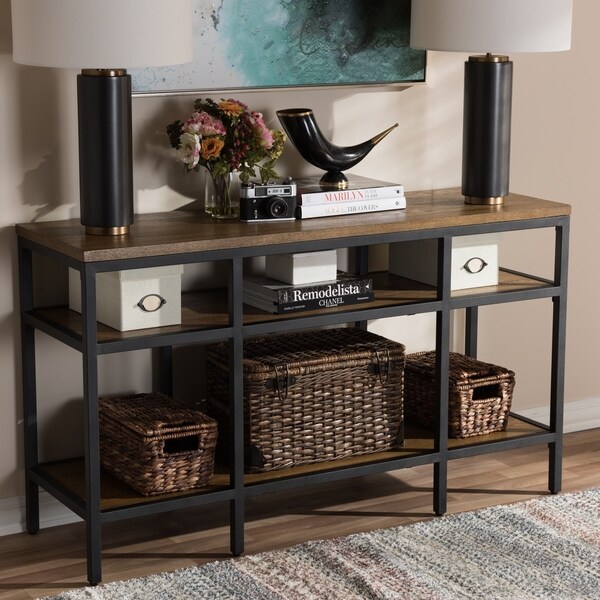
(555, 155)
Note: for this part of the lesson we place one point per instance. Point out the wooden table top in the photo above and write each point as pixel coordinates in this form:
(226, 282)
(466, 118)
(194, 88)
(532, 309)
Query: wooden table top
(182, 231)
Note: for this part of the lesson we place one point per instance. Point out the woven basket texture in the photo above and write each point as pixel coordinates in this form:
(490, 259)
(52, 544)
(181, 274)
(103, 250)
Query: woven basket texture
(480, 394)
(156, 444)
(313, 396)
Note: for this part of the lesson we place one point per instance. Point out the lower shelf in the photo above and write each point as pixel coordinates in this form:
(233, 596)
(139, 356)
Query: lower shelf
(418, 442)
(70, 474)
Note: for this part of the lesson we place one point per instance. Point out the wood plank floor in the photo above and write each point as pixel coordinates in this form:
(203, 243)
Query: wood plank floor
(53, 560)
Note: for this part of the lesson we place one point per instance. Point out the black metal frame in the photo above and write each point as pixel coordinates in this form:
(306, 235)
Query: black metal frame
(236, 331)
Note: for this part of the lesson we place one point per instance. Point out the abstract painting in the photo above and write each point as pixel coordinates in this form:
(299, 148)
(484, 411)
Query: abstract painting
(245, 44)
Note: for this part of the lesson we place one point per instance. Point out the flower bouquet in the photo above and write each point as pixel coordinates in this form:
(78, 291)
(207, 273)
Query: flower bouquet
(226, 137)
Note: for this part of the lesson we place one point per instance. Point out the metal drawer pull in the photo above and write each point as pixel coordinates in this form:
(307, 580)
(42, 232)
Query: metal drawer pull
(478, 266)
(151, 302)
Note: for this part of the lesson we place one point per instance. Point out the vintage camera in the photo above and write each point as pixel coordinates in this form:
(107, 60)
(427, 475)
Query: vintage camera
(274, 200)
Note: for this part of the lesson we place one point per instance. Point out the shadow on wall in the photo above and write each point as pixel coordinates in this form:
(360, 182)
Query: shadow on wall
(152, 153)
(36, 92)
(40, 126)
(54, 444)
(157, 166)
(5, 27)
(189, 374)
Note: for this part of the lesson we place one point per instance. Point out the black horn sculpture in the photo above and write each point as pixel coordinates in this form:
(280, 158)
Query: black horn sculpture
(301, 127)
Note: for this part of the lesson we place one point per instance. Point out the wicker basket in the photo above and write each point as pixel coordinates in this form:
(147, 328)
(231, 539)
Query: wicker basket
(314, 396)
(479, 399)
(156, 444)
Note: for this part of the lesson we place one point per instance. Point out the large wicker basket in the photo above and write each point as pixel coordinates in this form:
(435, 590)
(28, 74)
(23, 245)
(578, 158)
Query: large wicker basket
(314, 396)
(480, 394)
(156, 444)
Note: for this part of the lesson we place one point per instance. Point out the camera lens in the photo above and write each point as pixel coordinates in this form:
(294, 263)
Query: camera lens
(277, 207)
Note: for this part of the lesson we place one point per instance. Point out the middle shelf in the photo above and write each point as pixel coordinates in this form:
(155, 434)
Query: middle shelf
(205, 316)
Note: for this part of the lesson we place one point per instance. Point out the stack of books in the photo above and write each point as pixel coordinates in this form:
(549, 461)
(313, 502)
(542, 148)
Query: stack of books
(362, 195)
(281, 298)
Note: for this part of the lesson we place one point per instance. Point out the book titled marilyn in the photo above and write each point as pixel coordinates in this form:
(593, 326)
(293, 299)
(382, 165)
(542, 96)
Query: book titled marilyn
(350, 208)
(309, 192)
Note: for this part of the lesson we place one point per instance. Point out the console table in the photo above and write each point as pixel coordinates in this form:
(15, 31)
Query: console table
(184, 237)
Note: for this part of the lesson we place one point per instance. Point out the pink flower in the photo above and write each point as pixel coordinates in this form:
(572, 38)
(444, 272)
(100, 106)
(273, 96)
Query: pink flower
(189, 149)
(201, 123)
(261, 131)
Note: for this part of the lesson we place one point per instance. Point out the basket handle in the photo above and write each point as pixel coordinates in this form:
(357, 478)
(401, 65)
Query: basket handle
(383, 369)
(181, 445)
(286, 382)
(174, 423)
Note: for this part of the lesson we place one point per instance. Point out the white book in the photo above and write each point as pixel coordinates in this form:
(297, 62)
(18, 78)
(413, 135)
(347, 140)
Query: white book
(350, 208)
(359, 188)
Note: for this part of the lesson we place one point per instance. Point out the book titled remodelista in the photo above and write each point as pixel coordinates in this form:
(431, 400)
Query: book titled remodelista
(283, 294)
(309, 304)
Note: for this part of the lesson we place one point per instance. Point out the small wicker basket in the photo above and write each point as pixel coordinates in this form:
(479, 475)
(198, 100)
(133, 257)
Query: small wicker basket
(479, 399)
(156, 444)
(313, 396)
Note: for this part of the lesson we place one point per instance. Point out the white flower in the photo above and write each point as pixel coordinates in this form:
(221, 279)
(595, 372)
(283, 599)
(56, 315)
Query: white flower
(189, 149)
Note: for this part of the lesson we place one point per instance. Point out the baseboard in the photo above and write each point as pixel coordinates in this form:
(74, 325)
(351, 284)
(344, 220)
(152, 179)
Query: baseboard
(579, 415)
(52, 512)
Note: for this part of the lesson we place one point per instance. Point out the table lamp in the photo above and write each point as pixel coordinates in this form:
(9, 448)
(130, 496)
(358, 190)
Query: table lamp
(102, 38)
(489, 26)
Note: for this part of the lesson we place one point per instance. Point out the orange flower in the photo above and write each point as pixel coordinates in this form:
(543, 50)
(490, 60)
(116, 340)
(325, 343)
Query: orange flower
(211, 148)
(231, 107)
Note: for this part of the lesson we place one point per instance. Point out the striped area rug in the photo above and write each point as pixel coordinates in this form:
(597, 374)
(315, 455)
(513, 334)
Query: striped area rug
(546, 548)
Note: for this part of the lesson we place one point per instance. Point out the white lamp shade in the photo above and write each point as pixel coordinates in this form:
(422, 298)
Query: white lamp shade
(491, 25)
(99, 34)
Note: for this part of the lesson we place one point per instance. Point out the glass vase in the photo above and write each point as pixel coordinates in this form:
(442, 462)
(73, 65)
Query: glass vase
(222, 195)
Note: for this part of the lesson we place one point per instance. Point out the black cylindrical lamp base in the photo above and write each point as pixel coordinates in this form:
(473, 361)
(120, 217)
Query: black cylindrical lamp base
(486, 134)
(105, 151)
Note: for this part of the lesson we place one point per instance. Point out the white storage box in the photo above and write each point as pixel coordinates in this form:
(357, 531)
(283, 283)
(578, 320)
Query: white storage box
(134, 299)
(474, 261)
(303, 267)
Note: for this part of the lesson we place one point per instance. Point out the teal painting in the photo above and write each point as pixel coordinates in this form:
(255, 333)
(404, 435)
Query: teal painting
(242, 44)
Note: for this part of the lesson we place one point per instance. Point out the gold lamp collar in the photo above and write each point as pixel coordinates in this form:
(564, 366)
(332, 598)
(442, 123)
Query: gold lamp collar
(489, 57)
(104, 72)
